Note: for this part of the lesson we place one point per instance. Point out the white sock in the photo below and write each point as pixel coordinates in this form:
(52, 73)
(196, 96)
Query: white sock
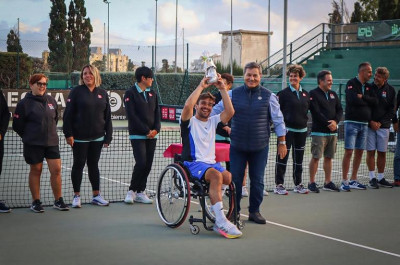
(380, 176)
(218, 209)
(371, 175)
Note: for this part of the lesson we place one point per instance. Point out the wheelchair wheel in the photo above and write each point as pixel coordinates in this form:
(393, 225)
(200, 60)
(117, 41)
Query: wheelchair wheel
(173, 195)
(228, 200)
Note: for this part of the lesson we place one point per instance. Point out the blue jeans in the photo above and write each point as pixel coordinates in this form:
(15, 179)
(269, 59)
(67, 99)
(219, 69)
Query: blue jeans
(355, 135)
(257, 162)
(396, 160)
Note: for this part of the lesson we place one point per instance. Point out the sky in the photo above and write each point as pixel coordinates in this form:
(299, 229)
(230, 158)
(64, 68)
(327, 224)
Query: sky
(132, 23)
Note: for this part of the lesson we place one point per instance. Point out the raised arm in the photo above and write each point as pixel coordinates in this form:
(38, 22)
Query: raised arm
(228, 111)
(187, 111)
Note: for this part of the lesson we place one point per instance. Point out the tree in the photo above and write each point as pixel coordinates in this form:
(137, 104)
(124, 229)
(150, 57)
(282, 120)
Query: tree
(357, 13)
(236, 69)
(396, 14)
(57, 38)
(131, 66)
(386, 9)
(335, 16)
(13, 43)
(370, 8)
(80, 28)
(8, 61)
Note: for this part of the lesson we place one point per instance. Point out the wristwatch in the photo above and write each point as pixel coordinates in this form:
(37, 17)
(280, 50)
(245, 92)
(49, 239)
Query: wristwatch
(282, 142)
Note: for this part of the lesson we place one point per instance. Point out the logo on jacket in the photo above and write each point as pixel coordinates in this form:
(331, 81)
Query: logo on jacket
(50, 106)
(332, 96)
(99, 96)
(150, 94)
(304, 94)
(127, 99)
(384, 94)
(16, 116)
(349, 87)
(69, 100)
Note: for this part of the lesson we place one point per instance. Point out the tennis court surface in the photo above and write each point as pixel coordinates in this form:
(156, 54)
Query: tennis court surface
(358, 227)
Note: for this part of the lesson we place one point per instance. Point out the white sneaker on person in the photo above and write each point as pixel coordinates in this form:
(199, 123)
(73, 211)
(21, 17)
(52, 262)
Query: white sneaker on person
(142, 198)
(76, 201)
(98, 200)
(130, 197)
(245, 193)
(265, 193)
(227, 229)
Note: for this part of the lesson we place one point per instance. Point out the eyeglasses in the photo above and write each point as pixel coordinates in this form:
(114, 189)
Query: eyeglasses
(41, 84)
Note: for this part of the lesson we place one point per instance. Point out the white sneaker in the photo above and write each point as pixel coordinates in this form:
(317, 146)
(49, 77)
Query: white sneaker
(265, 193)
(245, 193)
(227, 229)
(300, 189)
(130, 197)
(142, 198)
(76, 202)
(98, 200)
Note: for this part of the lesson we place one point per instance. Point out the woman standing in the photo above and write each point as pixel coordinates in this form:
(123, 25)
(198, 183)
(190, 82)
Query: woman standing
(87, 128)
(35, 121)
(294, 103)
(143, 113)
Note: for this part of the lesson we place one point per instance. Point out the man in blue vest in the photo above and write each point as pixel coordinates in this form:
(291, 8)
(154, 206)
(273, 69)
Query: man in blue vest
(255, 108)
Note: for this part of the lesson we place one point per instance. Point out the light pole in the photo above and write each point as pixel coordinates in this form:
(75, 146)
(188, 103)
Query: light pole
(230, 58)
(176, 35)
(108, 34)
(155, 44)
(269, 35)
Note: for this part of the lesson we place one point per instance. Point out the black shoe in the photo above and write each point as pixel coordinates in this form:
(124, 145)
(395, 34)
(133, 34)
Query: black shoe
(4, 208)
(373, 184)
(330, 187)
(257, 218)
(313, 187)
(60, 205)
(37, 206)
(384, 183)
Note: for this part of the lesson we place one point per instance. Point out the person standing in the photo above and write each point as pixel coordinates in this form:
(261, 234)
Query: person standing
(35, 121)
(379, 126)
(144, 122)
(326, 111)
(255, 108)
(4, 119)
(396, 159)
(295, 103)
(87, 128)
(360, 98)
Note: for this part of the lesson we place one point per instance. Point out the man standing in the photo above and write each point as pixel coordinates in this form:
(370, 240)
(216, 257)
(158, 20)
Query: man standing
(4, 119)
(326, 111)
(396, 160)
(198, 154)
(360, 99)
(255, 108)
(378, 131)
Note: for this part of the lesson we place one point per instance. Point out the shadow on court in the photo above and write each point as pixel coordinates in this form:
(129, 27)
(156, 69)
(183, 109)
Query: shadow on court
(358, 227)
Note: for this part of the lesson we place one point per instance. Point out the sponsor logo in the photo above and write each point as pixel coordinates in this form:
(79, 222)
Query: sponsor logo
(50, 106)
(99, 96)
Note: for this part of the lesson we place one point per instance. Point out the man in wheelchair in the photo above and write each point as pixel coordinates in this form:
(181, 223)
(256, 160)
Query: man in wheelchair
(198, 154)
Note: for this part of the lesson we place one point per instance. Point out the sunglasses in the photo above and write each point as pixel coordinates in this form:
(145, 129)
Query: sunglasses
(41, 84)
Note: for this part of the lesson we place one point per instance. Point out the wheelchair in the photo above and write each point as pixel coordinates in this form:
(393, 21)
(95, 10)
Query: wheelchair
(175, 190)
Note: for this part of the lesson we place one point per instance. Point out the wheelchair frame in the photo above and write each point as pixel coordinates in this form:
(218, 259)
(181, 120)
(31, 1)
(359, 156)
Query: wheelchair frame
(175, 189)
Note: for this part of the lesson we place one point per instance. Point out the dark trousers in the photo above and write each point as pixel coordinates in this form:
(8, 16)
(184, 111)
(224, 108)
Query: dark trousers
(257, 162)
(143, 152)
(86, 153)
(1, 154)
(297, 140)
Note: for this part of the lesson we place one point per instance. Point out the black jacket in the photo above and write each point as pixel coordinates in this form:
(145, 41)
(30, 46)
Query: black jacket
(4, 115)
(384, 111)
(142, 115)
(294, 110)
(359, 109)
(87, 115)
(395, 119)
(324, 110)
(35, 120)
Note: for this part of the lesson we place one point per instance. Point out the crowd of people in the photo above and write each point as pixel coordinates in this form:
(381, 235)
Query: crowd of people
(241, 116)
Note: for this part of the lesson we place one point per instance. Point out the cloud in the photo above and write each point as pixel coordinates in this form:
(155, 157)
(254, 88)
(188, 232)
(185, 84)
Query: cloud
(187, 18)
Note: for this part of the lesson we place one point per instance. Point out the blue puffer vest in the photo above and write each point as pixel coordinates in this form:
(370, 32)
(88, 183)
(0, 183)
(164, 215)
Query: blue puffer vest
(251, 122)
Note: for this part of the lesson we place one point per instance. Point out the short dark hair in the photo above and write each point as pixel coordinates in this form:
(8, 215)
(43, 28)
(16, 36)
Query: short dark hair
(362, 65)
(252, 65)
(227, 77)
(296, 68)
(205, 96)
(143, 71)
(321, 75)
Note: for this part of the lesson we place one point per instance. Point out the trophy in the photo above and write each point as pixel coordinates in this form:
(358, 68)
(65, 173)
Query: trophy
(209, 68)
